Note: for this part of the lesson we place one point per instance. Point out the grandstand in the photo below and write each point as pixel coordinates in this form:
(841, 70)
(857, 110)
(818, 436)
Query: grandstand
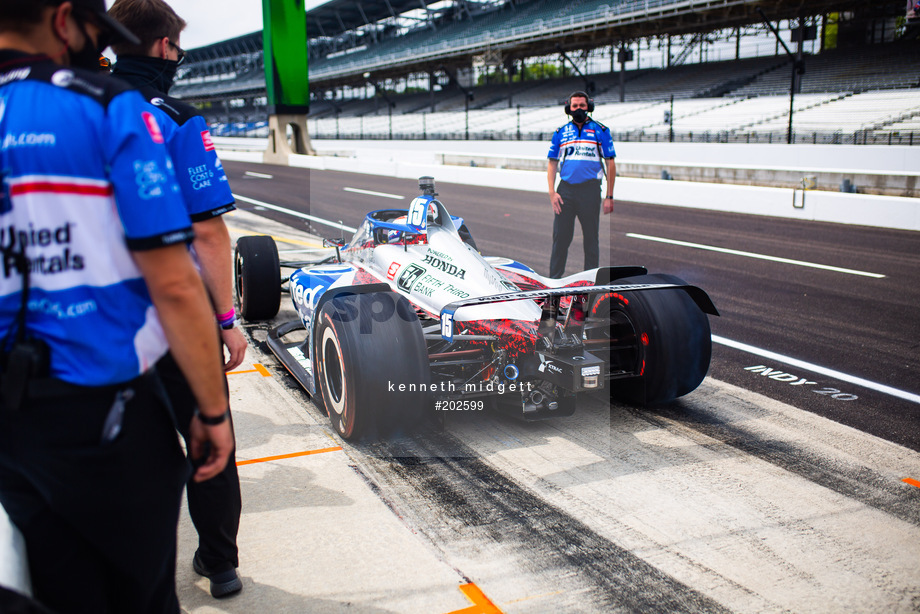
(497, 69)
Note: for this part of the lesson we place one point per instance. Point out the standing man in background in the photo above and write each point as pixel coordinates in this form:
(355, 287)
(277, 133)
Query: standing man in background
(95, 270)
(150, 66)
(582, 152)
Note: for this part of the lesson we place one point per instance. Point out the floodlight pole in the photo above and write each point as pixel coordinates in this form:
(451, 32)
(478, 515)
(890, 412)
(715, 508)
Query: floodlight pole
(798, 67)
(671, 121)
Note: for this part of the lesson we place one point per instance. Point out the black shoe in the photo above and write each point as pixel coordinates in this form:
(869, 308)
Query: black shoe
(223, 583)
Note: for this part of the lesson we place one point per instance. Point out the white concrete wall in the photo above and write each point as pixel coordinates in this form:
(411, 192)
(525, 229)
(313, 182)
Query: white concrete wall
(837, 157)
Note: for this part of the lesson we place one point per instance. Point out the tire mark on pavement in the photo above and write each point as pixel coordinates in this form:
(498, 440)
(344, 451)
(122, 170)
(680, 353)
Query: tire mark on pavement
(473, 513)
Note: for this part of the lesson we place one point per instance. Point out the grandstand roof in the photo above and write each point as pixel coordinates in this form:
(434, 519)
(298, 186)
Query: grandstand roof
(247, 43)
(340, 16)
(535, 27)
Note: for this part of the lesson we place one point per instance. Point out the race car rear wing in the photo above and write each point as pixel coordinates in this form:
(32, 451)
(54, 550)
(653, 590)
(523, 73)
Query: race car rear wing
(448, 313)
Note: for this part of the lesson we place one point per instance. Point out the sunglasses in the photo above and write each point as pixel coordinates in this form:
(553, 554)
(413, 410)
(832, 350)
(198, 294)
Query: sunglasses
(180, 52)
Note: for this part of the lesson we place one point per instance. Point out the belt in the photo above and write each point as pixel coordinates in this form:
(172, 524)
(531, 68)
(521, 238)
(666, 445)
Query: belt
(586, 182)
(51, 388)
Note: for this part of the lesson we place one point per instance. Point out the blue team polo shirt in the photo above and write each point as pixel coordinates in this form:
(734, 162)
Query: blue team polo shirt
(205, 189)
(86, 179)
(578, 151)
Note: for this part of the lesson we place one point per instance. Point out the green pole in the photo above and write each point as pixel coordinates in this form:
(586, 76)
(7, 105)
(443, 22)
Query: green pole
(284, 36)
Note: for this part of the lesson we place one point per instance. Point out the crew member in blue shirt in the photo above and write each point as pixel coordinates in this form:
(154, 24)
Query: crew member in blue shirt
(582, 152)
(150, 66)
(96, 282)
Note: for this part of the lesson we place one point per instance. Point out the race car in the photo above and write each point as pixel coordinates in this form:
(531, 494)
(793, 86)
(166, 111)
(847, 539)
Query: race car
(408, 316)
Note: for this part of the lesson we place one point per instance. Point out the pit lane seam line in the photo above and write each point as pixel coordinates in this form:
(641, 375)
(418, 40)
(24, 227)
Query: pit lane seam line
(285, 456)
(304, 216)
(258, 175)
(801, 364)
(532, 597)
(735, 252)
(372, 193)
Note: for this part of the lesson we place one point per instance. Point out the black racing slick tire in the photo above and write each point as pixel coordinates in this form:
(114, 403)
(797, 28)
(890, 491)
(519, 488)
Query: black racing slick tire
(672, 337)
(371, 364)
(257, 273)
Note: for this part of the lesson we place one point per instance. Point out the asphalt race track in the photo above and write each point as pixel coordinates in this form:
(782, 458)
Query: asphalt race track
(779, 485)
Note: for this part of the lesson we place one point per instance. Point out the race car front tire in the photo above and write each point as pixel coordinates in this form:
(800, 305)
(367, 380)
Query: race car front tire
(257, 272)
(372, 364)
(673, 339)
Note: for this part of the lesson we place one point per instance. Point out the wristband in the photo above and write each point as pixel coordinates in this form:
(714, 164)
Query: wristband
(608, 198)
(212, 420)
(227, 320)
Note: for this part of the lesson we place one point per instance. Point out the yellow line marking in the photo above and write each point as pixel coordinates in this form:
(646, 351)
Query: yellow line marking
(912, 482)
(281, 239)
(258, 369)
(284, 456)
(481, 603)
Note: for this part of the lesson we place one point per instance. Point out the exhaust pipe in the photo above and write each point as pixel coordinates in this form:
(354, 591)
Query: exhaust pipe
(537, 397)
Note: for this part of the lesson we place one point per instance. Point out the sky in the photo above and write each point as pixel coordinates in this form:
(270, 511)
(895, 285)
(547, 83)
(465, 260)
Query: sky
(212, 21)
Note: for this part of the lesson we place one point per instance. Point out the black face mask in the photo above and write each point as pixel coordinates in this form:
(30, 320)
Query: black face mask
(579, 116)
(144, 70)
(88, 56)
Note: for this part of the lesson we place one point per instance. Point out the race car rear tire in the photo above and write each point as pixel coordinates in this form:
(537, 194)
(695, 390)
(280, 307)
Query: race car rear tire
(673, 338)
(257, 272)
(372, 365)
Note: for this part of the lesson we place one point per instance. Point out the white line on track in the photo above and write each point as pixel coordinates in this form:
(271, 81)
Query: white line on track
(312, 218)
(753, 255)
(801, 364)
(258, 175)
(371, 193)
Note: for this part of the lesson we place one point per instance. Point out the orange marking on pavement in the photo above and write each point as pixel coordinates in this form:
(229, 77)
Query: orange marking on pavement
(912, 482)
(283, 456)
(258, 369)
(481, 603)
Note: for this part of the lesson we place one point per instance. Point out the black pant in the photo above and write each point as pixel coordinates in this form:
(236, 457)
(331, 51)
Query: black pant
(581, 200)
(98, 519)
(214, 505)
